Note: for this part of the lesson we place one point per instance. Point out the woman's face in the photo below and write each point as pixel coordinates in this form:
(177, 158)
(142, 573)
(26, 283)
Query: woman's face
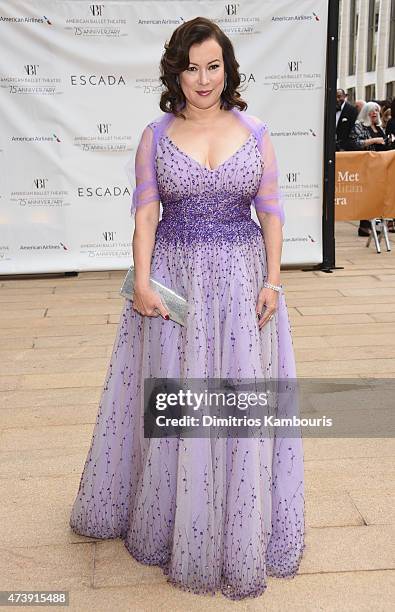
(374, 115)
(203, 81)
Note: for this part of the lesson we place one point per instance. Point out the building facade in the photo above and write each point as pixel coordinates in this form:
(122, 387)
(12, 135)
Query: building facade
(366, 53)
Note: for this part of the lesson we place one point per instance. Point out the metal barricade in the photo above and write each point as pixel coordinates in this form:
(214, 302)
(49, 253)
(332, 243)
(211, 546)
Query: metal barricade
(379, 229)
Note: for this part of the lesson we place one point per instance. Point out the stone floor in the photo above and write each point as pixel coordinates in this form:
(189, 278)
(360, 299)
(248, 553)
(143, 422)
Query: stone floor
(56, 339)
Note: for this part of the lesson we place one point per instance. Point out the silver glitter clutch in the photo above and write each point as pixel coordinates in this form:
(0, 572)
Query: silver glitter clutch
(176, 304)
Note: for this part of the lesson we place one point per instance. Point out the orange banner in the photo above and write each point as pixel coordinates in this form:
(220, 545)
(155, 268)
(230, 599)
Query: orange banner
(365, 185)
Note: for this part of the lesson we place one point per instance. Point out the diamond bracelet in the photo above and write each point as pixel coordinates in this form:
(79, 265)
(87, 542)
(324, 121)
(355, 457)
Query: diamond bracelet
(270, 286)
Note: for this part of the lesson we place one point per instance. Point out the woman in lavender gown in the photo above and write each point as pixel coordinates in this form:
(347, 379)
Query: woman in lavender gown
(221, 513)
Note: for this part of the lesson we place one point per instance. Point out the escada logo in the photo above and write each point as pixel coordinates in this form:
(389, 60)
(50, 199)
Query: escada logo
(231, 9)
(94, 79)
(102, 192)
(96, 9)
(294, 66)
(247, 78)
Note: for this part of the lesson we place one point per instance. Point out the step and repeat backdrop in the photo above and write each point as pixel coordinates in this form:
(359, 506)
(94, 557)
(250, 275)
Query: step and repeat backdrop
(79, 82)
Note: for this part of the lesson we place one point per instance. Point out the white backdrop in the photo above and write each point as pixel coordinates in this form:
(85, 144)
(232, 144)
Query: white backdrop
(79, 81)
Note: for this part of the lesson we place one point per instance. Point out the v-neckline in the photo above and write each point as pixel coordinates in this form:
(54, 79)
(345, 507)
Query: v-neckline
(201, 165)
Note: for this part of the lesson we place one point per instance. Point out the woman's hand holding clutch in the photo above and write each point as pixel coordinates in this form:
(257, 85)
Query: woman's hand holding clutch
(266, 305)
(148, 302)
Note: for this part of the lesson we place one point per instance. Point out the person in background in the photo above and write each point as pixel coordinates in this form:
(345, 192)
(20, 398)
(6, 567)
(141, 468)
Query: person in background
(367, 135)
(346, 115)
(387, 104)
(367, 132)
(359, 104)
(383, 104)
(385, 117)
(390, 125)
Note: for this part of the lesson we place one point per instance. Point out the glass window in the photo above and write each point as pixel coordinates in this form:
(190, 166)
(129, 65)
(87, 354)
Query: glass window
(339, 25)
(390, 90)
(373, 28)
(370, 92)
(391, 47)
(352, 46)
(351, 94)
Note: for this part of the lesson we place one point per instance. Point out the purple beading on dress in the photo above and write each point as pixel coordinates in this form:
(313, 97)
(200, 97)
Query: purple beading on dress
(215, 514)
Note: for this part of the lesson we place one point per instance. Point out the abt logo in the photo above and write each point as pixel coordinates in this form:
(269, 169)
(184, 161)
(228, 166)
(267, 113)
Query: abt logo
(31, 69)
(96, 9)
(292, 177)
(294, 65)
(40, 183)
(108, 236)
(231, 9)
(103, 128)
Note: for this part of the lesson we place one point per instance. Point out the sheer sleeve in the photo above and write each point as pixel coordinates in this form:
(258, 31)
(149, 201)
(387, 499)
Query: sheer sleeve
(145, 187)
(269, 197)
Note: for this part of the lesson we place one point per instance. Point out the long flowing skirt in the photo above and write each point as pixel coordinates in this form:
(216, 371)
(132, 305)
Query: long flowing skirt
(215, 513)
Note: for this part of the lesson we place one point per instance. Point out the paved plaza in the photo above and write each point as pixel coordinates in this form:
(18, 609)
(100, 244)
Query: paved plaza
(56, 339)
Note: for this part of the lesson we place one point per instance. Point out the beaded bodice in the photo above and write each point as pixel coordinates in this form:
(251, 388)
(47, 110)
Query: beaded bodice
(202, 203)
(194, 193)
(190, 192)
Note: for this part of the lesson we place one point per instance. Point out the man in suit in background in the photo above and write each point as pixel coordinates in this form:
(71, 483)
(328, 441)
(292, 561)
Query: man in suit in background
(346, 115)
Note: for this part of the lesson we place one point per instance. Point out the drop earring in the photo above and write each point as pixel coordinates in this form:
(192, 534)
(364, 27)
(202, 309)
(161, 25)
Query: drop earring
(225, 82)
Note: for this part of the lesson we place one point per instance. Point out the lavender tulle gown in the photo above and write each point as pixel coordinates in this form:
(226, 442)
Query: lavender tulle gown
(221, 513)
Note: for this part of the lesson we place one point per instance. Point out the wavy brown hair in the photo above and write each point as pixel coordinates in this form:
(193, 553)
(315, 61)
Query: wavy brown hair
(176, 59)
